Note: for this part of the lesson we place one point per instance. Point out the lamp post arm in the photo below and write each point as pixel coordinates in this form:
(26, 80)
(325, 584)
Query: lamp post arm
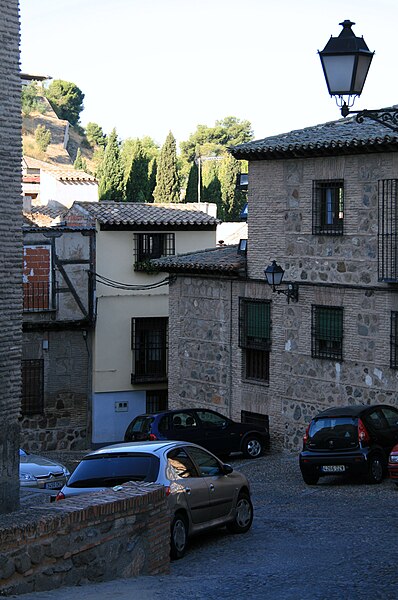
(386, 116)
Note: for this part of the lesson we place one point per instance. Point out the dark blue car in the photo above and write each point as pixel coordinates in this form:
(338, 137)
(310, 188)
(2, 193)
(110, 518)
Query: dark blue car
(209, 429)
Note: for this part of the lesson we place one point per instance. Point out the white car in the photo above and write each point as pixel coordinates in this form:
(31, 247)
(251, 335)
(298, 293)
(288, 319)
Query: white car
(39, 472)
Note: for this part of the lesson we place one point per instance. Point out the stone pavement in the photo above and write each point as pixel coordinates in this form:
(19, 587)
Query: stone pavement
(334, 540)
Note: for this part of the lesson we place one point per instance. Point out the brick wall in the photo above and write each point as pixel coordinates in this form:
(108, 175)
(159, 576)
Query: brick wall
(10, 253)
(86, 539)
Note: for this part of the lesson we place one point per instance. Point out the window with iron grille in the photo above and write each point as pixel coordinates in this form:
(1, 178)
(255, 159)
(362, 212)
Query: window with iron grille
(388, 230)
(37, 278)
(32, 387)
(255, 338)
(252, 418)
(327, 207)
(394, 340)
(153, 245)
(327, 332)
(156, 401)
(150, 349)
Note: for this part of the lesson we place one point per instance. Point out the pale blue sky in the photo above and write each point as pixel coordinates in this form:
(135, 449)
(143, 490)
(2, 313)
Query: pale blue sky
(150, 66)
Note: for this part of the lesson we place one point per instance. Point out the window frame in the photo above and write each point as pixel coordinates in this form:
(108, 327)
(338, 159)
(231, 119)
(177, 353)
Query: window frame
(328, 207)
(255, 348)
(141, 370)
(328, 346)
(153, 244)
(394, 340)
(32, 403)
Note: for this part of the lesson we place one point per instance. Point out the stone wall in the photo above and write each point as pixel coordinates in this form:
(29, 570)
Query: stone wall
(86, 539)
(65, 422)
(10, 254)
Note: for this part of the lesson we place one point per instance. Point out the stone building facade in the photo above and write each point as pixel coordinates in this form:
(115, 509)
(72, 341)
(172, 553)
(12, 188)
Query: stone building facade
(58, 321)
(323, 205)
(10, 254)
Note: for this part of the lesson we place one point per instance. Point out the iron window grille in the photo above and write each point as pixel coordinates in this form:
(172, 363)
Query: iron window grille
(37, 296)
(328, 207)
(388, 230)
(256, 419)
(327, 332)
(394, 340)
(32, 387)
(255, 338)
(156, 401)
(152, 245)
(150, 349)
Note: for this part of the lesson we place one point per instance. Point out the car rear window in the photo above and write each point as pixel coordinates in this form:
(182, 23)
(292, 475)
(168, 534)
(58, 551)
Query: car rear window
(141, 424)
(333, 432)
(107, 470)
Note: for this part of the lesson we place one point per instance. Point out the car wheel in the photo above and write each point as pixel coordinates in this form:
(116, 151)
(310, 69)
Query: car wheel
(375, 469)
(310, 478)
(243, 515)
(179, 537)
(252, 447)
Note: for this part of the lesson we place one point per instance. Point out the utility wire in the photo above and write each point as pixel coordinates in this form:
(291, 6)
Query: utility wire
(126, 286)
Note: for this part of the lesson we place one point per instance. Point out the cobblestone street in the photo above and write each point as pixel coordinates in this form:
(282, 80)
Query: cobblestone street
(333, 540)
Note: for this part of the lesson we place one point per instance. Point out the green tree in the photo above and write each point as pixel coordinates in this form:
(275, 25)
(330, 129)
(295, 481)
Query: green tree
(111, 184)
(80, 163)
(152, 171)
(95, 135)
(191, 194)
(167, 182)
(233, 199)
(66, 99)
(137, 184)
(30, 99)
(42, 137)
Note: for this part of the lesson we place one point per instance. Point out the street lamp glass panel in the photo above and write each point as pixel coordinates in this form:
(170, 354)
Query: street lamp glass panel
(362, 71)
(338, 73)
(274, 274)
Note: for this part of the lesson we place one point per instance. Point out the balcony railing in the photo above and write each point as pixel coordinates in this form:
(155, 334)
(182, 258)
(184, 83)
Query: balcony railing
(37, 296)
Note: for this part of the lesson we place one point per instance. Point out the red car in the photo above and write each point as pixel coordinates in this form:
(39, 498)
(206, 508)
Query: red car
(393, 464)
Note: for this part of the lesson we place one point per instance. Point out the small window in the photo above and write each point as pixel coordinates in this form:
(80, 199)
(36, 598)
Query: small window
(328, 207)
(153, 245)
(327, 332)
(150, 348)
(394, 341)
(156, 401)
(255, 338)
(32, 387)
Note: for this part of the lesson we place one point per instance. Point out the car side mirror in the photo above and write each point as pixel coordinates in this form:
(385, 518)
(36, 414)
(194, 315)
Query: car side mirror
(226, 469)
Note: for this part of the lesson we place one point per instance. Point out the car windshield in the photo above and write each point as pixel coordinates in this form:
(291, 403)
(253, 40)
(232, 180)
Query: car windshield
(107, 470)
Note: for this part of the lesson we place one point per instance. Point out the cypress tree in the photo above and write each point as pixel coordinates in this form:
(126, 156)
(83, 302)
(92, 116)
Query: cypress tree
(137, 184)
(232, 198)
(191, 194)
(80, 163)
(152, 171)
(111, 182)
(167, 183)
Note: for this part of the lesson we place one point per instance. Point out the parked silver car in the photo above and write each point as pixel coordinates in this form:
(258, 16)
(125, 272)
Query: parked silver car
(202, 491)
(39, 472)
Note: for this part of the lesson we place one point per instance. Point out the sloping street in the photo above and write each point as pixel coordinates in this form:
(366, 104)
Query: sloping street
(333, 540)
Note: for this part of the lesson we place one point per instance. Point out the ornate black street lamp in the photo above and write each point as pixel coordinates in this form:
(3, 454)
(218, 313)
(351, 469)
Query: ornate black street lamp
(345, 61)
(274, 275)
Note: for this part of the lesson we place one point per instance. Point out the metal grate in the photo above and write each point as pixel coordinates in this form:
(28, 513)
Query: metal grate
(328, 207)
(327, 332)
(150, 349)
(37, 296)
(256, 365)
(252, 418)
(156, 401)
(388, 230)
(254, 324)
(394, 340)
(32, 387)
(153, 245)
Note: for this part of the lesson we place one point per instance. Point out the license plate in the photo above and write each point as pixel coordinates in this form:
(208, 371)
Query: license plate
(333, 468)
(53, 485)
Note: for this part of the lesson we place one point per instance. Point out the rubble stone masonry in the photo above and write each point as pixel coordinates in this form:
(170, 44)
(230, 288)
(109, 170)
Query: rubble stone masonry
(10, 254)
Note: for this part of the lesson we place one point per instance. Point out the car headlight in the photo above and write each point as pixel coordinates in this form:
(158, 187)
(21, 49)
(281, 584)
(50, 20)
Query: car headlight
(26, 477)
(393, 458)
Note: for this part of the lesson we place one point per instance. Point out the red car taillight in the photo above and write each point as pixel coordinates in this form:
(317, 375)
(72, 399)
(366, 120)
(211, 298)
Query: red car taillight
(363, 435)
(59, 496)
(152, 437)
(306, 436)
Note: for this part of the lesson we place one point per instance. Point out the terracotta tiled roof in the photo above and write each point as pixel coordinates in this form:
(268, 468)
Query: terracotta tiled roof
(142, 214)
(223, 259)
(70, 175)
(53, 210)
(344, 136)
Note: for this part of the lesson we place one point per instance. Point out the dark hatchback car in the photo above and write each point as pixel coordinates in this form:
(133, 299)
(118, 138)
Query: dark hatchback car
(205, 427)
(352, 440)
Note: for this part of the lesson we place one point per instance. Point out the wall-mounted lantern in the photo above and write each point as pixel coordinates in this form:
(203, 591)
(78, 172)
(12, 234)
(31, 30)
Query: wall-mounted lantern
(274, 276)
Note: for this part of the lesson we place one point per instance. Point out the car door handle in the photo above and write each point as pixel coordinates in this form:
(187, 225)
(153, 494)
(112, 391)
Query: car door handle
(188, 490)
(211, 486)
